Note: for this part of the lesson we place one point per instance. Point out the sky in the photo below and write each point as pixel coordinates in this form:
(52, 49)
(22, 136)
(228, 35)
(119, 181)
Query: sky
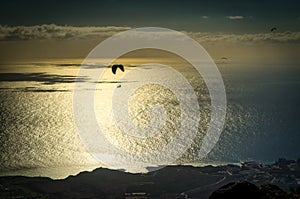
(70, 29)
(191, 15)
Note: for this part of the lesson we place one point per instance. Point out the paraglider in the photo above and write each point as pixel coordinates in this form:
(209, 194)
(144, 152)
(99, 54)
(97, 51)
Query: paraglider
(273, 29)
(115, 67)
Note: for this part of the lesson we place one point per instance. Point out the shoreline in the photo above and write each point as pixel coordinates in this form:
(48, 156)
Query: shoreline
(195, 182)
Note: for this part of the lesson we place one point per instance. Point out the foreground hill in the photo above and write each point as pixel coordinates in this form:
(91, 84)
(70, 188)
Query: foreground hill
(168, 182)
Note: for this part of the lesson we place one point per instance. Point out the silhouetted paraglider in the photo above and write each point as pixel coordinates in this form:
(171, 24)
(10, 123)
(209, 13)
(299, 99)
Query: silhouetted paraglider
(116, 66)
(273, 29)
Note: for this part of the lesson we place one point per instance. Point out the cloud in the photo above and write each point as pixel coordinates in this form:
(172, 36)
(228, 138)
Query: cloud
(205, 17)
(39, 77)
(280, 37)
(55, 32)
(52, 31)
(235, 17)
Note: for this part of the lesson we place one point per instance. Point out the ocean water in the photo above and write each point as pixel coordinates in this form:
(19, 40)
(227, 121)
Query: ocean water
(38, 133)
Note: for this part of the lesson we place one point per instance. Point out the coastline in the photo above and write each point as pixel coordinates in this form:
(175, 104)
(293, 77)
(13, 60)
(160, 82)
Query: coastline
(193, 182)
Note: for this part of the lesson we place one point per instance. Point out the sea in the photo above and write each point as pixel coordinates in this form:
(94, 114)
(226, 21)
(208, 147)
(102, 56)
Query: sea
(39, 134)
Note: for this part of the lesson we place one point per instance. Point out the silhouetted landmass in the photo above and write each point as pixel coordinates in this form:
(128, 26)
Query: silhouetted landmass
(233, 190)
(247, 190)
(169, 182)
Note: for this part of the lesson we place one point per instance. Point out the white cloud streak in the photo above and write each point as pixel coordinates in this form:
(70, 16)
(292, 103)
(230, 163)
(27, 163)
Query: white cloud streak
(238, 17)
(280, 37)
(52, 31)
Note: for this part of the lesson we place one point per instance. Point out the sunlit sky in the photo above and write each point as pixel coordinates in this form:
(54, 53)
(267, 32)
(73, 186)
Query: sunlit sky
(239, 30)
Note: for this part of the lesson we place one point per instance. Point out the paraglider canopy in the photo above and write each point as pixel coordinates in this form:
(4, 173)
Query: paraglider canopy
(273, 29)
(116, 66)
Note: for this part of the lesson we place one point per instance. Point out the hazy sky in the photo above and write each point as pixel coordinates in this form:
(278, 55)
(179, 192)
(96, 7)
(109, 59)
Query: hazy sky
(70, 29)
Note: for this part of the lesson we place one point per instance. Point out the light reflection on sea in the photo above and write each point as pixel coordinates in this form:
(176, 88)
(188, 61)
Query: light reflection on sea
(38, 136)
